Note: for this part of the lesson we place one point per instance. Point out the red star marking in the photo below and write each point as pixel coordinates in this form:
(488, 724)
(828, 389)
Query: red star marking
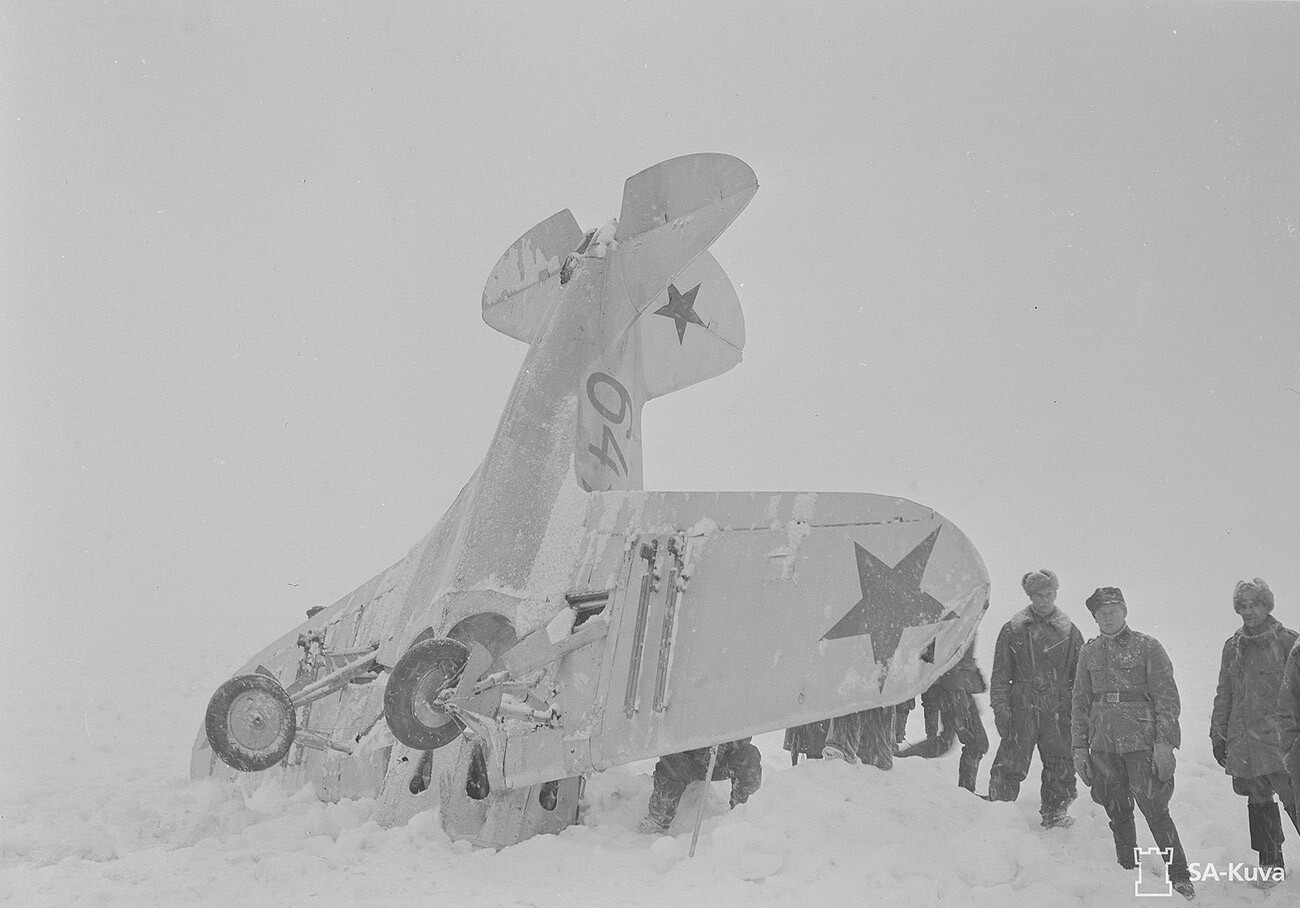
(892, 600)
(681, 309)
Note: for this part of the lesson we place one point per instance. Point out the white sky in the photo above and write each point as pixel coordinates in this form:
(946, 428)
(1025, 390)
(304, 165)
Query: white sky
(1034, 265)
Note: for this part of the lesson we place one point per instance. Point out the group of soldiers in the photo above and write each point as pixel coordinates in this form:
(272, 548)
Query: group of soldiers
(1105, 711)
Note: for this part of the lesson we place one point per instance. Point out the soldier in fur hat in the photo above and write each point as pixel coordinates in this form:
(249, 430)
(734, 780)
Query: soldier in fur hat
(1033, 674)
(1244, 727)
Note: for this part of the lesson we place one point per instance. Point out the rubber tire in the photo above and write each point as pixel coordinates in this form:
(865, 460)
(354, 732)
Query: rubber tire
(413, 673)
(252, 691)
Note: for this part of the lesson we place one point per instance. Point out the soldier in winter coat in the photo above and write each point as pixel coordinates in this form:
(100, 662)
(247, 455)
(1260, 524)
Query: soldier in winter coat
(1244, 729)
(739, 761)
(952, 698)
(1125, 730)
(1033, 675)
(1288, 721)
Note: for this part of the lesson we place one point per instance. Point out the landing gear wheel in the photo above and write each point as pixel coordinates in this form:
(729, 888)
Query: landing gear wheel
(424, 671)
(251, 722)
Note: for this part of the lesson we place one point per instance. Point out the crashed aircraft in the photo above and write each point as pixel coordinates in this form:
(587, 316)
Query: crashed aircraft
(558, 620)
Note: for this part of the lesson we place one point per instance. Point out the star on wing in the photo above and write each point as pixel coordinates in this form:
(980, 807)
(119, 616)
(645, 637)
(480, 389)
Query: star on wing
(892, 600)
(681, 309)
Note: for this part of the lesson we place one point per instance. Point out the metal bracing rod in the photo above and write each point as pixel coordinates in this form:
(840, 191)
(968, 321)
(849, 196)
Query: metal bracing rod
(649, 583)
(323, 687)
(638, 646)
(315, 739)
(699, 814)
(666, 640)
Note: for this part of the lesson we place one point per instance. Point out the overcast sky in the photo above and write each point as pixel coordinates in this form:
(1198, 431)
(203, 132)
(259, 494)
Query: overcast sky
(1036, 266)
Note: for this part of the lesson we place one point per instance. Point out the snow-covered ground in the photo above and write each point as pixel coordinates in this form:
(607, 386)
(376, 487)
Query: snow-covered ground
(96, 808)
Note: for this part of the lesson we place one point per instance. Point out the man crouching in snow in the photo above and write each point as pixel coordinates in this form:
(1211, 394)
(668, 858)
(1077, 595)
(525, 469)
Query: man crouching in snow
(1244, 724)
(739, 761)
(1124, 729)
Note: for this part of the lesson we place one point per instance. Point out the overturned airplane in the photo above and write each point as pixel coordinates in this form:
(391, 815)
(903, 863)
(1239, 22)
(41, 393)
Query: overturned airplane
(558, 620)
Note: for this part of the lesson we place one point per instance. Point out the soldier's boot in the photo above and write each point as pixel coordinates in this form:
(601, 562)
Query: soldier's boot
(1124, 831)
(1271, 870)
(930, 711)
(928, 748)
(1266, 838)
(662, 809)
(900, 721)
(1001, 789)
(1291, 812)
(1056, 817)
(1056, 811)
(967, 768)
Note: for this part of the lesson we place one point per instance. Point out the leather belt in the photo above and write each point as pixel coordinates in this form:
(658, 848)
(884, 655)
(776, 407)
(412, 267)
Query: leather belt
(1120, 696)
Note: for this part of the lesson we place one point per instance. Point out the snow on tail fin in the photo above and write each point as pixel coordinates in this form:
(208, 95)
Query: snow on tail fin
(525, 284)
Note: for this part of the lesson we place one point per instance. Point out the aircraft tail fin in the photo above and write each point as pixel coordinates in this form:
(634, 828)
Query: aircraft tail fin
(524, 286)
(684, 324)
(692, 331)
(671, 213)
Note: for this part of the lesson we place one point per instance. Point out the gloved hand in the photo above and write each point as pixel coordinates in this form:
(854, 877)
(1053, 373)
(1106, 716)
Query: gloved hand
(1162, 758)
(1220, 748)
(1083, 765)
(1002, 722)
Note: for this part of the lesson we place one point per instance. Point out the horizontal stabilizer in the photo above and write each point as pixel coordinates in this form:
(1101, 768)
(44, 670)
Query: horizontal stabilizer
(524, 285)
(671, 213)
(679, 187)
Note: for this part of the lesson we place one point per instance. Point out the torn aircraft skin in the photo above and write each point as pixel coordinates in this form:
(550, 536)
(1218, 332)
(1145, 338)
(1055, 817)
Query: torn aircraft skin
(558, 620)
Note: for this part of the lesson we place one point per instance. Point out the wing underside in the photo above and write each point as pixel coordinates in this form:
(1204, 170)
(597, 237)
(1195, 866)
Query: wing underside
(736, 613)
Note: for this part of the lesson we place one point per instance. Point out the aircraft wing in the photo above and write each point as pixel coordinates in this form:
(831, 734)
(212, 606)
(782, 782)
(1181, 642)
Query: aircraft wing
(735, 613)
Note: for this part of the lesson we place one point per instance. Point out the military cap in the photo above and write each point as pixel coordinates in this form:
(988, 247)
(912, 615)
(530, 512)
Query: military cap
(1105, 595)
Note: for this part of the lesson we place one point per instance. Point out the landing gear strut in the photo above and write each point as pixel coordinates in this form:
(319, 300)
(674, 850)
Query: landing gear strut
(252, 720)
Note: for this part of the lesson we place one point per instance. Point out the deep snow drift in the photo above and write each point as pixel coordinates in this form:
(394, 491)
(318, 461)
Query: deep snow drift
(96, 809)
